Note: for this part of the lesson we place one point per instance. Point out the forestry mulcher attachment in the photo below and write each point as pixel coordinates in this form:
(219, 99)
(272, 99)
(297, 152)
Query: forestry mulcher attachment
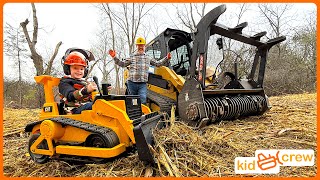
(115, 125)
(184, 82)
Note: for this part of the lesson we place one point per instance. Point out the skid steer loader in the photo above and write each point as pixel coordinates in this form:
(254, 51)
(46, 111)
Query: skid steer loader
(115, 124)
(183, 83)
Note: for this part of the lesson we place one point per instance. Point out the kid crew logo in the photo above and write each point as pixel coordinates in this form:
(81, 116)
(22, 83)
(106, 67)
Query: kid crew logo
(269, 161)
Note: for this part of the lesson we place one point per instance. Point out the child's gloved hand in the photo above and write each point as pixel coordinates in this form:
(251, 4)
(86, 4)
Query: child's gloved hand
(112, 53)
(169, 56)
(91, 87)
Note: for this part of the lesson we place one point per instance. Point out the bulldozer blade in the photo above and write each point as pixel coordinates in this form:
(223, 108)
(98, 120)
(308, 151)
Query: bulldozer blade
(144, 137)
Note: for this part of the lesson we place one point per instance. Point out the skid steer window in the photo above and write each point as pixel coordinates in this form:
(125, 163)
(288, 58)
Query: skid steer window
(156, 54)
(180, 58)
(154, 50)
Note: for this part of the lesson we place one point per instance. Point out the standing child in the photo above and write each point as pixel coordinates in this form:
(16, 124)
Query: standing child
(75, 90)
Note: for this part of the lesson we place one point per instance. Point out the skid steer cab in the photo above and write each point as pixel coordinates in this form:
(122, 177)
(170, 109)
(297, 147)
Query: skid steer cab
(116, 124)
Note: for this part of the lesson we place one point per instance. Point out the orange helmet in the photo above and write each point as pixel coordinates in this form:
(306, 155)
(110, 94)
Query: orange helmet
(76, 58)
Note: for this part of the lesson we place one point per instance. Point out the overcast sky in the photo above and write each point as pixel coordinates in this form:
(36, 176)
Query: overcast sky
(75, 21)
(72, 23)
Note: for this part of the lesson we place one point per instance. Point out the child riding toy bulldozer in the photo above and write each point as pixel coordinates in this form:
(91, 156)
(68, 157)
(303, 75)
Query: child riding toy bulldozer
(111, 125)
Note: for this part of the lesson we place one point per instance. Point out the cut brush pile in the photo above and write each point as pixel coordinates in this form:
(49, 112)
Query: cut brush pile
(180, 150)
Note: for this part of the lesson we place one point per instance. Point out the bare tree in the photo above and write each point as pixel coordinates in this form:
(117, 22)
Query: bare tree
(14, 48)
(128, 19)
(304, 49)
(231, 55)
(106, 9)
(35, 56)
(305, 40)
(293, 62)
(186, 14)
(101, 52)
(278, 18)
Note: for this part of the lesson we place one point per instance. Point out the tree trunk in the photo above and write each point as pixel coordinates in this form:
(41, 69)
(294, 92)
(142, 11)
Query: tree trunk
(35, 56)
(113, 47)
(19, 67)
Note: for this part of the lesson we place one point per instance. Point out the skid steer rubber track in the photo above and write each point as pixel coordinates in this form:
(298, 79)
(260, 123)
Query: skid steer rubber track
(163, 102)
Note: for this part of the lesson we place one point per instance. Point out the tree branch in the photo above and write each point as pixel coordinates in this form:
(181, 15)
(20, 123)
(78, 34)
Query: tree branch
(91, 68)
(26, 34)
(192, 18)
(35, 25)
(49, 67)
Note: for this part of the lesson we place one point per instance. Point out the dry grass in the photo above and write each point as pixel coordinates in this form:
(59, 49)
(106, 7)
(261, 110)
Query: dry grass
(181, 151)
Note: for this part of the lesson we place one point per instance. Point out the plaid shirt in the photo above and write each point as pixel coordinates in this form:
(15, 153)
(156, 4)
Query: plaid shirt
(138, 66)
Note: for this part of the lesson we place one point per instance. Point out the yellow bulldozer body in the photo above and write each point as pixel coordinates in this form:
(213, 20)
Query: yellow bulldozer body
(110, 114)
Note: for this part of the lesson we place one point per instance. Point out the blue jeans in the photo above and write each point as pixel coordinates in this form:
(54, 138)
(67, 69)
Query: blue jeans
(138, 88)
(87, 106)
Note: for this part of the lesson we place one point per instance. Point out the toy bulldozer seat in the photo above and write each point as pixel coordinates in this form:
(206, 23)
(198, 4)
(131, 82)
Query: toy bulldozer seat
(49, 82)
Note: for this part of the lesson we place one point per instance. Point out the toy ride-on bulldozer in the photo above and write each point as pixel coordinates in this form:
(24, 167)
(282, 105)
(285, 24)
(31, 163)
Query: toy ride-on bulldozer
(115, 123)
(184, 82)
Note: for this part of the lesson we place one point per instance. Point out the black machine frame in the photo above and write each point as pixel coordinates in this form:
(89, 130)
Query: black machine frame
(208, 26)
(199, 106)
